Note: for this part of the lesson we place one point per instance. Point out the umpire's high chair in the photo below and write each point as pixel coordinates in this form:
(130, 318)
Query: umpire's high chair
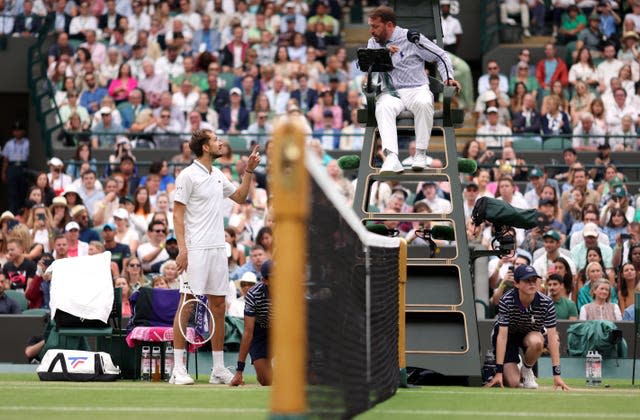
(441, 328)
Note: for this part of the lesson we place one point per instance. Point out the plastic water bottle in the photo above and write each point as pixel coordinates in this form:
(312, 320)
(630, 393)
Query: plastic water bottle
(145, 363)
(168, 363)
(155, 364)
(593, 368)
(597, 368)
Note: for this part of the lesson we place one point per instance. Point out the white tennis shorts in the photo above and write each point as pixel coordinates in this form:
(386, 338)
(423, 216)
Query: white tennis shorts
(207, 272)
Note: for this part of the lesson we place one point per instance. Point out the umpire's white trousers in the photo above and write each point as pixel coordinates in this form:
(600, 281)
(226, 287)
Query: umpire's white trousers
(419, 101)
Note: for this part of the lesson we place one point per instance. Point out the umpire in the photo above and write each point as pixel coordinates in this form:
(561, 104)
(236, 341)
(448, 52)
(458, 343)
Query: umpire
(524, 316)
(256, 330)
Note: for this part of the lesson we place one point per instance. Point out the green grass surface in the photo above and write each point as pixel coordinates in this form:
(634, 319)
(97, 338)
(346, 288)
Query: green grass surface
(25, 397)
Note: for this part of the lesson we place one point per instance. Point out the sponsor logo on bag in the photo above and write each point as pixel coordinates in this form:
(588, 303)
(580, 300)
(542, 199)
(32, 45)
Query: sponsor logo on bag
(76, 361)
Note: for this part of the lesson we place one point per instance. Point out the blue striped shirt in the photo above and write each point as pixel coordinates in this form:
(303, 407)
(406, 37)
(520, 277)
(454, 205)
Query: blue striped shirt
(538, 316)
(16, 151)
(409, 61)
(257, 304)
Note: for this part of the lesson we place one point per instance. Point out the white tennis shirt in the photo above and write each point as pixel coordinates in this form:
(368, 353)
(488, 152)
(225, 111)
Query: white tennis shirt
(203, 193)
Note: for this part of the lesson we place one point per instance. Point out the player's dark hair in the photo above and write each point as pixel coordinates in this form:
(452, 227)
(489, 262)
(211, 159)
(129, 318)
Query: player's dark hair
(384, 13)
(198, 139)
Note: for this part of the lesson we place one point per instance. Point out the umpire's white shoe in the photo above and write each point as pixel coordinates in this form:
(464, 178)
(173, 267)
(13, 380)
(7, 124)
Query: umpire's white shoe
(220, 376)
(179, 376)
(528, 378)
(420, 162)
(391, 165)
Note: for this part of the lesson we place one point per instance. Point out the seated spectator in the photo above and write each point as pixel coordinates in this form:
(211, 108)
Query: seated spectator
(170, 65)
(523, 76)
(493, 133)
(431, 198)
(233, 54)
(75, 247)
(627, 281)
(527, 121)
(206, 38)
(507, 193)
(91, 97)
(591, 37)
(293, 15)
(551, 68)
(544, 263)
(332, 26)
(580, 102)
(600, 308)
(555, 122)
(557, 91)
(618, 109)
(151, 83)
(626, 79)
(133, 274)
(153, 251)
(625, 136)
(628, 52)
(234, 118)
(609, 19)
(493, 69)
(73, 107)
(325, 103)
(27, 23)
(573, 21)
(583, 69)
(121, 86)
(565, 308)
(106, 130)
(278, 96)
(8, 305)
(616, 225)
(18, 270)
(132, 109)
(257, 256)
(586, 135)
(510, 8)
(519, 170)
(616, 199)
(608, 68)
(186, 98)
(60, 47)
(165, 130)
(494, 97)
(590, 233)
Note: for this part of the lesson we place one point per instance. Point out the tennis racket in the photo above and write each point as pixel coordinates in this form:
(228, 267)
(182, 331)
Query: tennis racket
(203, 321)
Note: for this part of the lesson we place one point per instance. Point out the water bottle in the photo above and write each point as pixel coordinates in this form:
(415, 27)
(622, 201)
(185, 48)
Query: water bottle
(597, 369)
(155, 364)
(489, 367)
(168, 363)
(145, 363)
(593, 368)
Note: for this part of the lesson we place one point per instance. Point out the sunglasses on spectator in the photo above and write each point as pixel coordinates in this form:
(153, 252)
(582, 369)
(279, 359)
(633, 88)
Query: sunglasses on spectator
(493, 68)
(158, 231)
(165, 116)
(134, 265)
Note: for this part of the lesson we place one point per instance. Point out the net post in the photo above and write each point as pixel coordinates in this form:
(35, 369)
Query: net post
(402, 333)
(290, 186)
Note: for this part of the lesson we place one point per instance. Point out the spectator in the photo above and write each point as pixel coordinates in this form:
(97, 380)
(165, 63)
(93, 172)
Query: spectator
(27, 23)
(591, 37)
(493, 69)
(153, 85)
(619, 109)
(75, 247)
(80, 215)
(257, 257)
(507, 192)
(292, 15)
(234, 118)
(353, 134)
(551, 68)
(120, 253)
(598, 111)
(106, 130)
(616, 200)
(451, 28)
(519, 170)
(164, 130)
(523, 56)
(278, 96)
(109, 20)
(8, 305)
(83, 23)
(609, 20)
(528, 121)
(90, 195)
(153, 251)
(233, 54)
(583, 69)
(18, 269)
(581, 101)
(431, 198)
(493, 133)
(565, 308)
(609, 68)
(552, 240)
(625, 136)
(218, 96)
(558, 92)
(518, 8)
(494, 97)
(629, 51)
(133, 274)
(586, 135)
(325, 103)
(600, 308)
(59, 16)
(170, 65)
(91, 97)
(590, 234)
(73, 107)
(555, 122)
(260, 131)
(332, 27)
(573, 21)
(105, 208)
(627, 281)
(124, 234)
(524, 76)
(59, 48)
(537, 180)
(132, 109)
(617, 224)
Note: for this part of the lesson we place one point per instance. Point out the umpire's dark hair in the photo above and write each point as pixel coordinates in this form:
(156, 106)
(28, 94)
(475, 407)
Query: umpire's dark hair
(198, 139)
(384, 13)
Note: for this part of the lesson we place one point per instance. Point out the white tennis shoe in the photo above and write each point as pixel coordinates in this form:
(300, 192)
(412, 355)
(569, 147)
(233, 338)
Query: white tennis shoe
(179, 376)
(391, 165)
(220, 376)
(420, 162)
(528, 378)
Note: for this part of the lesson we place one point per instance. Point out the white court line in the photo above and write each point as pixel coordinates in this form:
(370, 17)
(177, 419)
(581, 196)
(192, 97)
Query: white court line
(529, 393)
(503, 414)
(212, 410)
(117, 387)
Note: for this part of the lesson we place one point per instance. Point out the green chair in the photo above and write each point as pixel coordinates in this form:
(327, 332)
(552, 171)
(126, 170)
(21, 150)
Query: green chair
(526, 144)
(75, 338)
(556, 143)
(636, 322)
(18, 297)
(36, 312)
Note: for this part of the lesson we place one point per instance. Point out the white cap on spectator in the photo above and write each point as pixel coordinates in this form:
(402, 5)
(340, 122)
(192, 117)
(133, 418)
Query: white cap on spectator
(492, 109)
(121, 213)
(235, 91)
(489, 95)
(54, 161)
(105, 110)
(71, 226)
(122, 140)
(289, 4)
(590, 229)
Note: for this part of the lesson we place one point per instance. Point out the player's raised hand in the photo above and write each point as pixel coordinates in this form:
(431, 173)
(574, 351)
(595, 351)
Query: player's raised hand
(254, 158)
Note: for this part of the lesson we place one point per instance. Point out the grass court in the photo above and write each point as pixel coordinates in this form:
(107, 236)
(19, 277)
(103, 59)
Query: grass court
(25, 397)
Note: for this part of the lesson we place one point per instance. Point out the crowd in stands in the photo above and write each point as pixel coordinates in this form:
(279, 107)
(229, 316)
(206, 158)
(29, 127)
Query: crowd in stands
(128, 74)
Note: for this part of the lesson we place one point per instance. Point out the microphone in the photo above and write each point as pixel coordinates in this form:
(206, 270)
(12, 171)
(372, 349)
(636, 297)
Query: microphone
(378, 228)
(413, 36)
(442, 232)
(349, 162)
(467, 166)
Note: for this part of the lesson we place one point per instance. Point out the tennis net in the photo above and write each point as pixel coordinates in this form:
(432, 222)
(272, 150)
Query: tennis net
(352, 307)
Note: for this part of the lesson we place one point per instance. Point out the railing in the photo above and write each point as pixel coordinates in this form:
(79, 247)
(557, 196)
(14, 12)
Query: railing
(557, 142)
(42, 92)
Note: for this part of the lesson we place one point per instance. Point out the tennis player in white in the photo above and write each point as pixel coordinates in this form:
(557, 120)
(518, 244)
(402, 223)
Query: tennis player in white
(199, 228)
